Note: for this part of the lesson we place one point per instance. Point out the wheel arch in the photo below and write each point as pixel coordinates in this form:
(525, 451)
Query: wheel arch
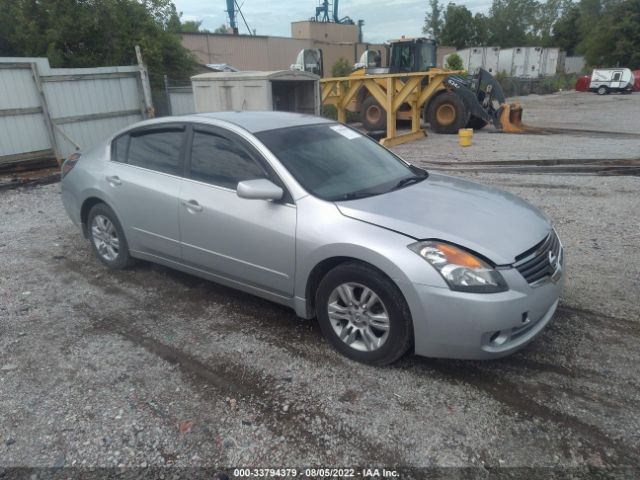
(323, 266)
(91, 200)
(361, 96)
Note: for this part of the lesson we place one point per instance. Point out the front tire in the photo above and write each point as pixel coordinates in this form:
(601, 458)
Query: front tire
(363, 314)
(107, 238)
(602, 90)
(447, 113)
(373, 116)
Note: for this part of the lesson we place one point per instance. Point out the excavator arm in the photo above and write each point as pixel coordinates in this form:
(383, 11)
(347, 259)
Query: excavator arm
(485, 99)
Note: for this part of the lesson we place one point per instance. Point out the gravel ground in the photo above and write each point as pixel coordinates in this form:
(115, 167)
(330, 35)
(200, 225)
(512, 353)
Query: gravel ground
(151, 367)
(566, 110)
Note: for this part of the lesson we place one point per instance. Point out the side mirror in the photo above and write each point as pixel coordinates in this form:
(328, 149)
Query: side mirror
(259, 189)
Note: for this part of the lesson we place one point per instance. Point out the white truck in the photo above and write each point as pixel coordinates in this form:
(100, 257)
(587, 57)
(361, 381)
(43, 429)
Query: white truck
(607, 80)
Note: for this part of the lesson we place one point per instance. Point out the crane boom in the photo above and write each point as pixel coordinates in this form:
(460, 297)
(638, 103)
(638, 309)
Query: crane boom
(231, 11)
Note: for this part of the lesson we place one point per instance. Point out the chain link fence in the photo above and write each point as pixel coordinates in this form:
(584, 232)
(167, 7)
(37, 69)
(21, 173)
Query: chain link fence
(174, 98)
(517, 87)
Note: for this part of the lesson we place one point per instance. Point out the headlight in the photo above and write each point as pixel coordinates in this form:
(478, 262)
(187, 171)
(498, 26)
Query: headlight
(461, 270)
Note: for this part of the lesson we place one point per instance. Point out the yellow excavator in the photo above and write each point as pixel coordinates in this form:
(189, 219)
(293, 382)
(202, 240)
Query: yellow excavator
(455, 99)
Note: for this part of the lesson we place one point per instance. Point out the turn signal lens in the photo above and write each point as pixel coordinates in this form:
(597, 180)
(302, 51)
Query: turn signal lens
(69, 163)
(458, 257)
(461, 270)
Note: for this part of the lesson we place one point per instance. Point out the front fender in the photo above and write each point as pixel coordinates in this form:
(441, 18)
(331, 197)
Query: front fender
(324, 233)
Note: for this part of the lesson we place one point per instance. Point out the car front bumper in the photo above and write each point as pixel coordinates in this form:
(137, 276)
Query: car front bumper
(449, 324)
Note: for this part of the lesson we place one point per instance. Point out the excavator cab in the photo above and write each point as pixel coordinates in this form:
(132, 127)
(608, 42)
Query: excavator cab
(413, 55)
(309, 60)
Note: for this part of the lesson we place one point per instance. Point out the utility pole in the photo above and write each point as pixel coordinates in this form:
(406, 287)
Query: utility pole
(231, 11)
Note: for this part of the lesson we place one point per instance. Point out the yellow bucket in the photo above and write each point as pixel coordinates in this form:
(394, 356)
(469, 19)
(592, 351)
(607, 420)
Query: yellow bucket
(465, 135)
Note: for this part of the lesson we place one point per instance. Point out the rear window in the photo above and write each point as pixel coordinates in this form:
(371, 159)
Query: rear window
(119, 149)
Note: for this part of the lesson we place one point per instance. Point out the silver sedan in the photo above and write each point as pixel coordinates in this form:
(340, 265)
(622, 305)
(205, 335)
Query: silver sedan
(311, 214)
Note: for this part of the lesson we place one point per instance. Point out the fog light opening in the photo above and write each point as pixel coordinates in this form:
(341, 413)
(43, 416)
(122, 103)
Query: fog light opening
(525, 318)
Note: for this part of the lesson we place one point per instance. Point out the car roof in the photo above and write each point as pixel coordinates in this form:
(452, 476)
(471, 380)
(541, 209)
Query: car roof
(252, 122)
(260, 121)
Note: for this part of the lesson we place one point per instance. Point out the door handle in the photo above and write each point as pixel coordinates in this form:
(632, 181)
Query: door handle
(193, 206)
(113, 180)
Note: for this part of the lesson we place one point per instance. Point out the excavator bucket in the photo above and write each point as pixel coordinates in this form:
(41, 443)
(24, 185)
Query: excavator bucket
(485, 99)
(511, 118)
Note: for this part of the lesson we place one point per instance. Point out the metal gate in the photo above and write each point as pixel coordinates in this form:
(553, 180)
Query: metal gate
(51, 112)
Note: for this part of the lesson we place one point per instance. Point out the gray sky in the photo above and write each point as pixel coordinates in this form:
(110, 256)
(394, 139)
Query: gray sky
(384, 19)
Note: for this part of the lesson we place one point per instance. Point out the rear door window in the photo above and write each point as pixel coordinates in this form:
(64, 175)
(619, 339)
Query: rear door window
(157, 149)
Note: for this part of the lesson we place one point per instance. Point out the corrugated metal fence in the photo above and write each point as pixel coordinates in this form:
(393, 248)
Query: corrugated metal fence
(181, 100)
(51, 112)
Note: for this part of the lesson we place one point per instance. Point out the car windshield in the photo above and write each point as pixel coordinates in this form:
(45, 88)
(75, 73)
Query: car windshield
(334, 162)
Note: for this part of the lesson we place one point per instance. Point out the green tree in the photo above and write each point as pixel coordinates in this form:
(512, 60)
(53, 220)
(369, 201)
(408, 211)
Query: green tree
(511, 22)
(566, 30)
(544, 19)
(480, 30)
(454, 62)
(192, 26)
(456, 30)
(222, 29)
(81, 33)
(615, 39)
(342, 68)
(433, 19)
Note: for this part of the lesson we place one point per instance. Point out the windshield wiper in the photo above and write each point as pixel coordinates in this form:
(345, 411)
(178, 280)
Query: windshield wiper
(408, 180)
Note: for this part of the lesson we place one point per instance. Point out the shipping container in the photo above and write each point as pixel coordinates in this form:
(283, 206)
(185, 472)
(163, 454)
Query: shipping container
(283, 90)
(479, 57)
(491, 58)
(549, 65)
(528, 62)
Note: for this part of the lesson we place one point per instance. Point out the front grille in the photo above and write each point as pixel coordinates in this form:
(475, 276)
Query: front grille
(534, 264)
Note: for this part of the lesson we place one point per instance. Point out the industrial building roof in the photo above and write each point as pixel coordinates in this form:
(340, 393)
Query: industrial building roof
(255, 75)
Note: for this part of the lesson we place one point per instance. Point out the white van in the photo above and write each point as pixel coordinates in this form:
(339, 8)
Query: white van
(607, 80)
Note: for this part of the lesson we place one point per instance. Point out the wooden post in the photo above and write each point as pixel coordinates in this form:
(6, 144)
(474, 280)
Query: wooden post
(48, 121)
(415, 115)
(391, 114)
(167, 94)
(146, 88)
(342, 111)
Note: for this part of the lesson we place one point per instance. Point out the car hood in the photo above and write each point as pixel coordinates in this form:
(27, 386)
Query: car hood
(493, 223)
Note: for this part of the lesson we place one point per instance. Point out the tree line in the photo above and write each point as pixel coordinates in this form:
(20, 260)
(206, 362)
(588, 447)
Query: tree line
(94, 33)
(606, 32)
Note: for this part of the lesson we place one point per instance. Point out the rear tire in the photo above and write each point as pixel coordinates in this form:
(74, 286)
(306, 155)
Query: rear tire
(363, 314)
(476, 123)
(372, 115)
(602, 90)
(447, 113)
(107, 238)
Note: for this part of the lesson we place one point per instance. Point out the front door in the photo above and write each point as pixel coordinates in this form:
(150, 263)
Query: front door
(616, 79)
(247, 241)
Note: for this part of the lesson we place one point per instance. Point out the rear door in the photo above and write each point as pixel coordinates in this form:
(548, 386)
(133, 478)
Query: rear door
(247, 241)
(143, 181)
(616, 79)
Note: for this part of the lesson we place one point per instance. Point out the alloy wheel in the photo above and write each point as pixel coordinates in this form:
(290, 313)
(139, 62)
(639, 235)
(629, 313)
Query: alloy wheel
(105, 237)
(358, 316)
